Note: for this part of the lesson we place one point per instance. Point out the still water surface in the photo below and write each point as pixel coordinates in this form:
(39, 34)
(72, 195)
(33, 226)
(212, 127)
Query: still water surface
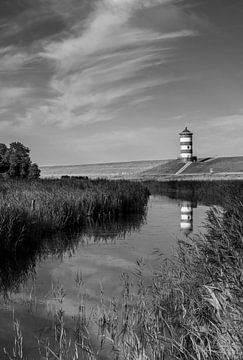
(101, 260)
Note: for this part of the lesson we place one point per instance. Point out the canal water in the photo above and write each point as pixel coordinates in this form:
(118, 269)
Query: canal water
(31, 288)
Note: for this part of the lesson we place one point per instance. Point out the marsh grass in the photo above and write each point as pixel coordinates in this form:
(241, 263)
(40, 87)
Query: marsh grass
(33, 209)
(204, 192)
(16, 267)
(188, 308)
(193, 308)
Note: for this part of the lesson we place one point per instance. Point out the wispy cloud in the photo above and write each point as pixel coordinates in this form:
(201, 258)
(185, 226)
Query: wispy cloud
(230, 123)
(13, 59)
(118, 64)
(100, 68)
(10, 95)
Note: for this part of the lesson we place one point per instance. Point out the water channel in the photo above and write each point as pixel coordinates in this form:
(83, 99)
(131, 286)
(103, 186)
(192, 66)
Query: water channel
(100, 255)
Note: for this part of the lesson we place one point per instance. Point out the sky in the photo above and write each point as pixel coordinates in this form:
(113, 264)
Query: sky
(88, 81)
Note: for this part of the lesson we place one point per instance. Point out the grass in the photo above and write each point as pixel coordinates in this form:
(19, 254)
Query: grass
(30, 210)
(189, 308)
(63, 211)
(170, 167)
(218, 165)
(18, 266)
(193, 309)
(204, 192)
(114, 170)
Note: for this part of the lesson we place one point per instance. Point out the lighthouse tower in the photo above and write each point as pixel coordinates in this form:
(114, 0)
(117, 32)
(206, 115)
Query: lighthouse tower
(186, 145)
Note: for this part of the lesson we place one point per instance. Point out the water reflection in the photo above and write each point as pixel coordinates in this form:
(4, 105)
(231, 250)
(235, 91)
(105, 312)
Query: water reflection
(16, 267)
(57, 261)
(186, 223)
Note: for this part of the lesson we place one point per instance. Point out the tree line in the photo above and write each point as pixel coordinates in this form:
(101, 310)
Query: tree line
(15, 162)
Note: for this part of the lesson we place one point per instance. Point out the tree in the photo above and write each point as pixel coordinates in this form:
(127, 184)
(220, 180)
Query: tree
(15, 162)
(19, 160)
(4, 163)
(34, 172)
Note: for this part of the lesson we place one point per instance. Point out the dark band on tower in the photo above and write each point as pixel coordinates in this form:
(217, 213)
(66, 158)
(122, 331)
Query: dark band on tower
(186, 152)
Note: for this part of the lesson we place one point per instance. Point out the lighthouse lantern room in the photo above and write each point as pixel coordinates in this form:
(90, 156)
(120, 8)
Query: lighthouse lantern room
(186, 153)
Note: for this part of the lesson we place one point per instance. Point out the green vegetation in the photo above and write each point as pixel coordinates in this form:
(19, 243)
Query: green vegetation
(204, 192)
(33, 209)
(15, 162)
(188, 308)
(217, 165)
(111, 170)
(170, 167)
(193, 309)
(16, 267)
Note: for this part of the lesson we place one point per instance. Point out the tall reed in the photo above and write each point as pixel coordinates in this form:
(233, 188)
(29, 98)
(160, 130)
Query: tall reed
(192, 309)
(38, 208)
(189, 308)
(205, 192)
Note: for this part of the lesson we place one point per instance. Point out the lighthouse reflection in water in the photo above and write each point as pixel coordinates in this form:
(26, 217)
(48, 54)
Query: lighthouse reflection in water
(186, 223)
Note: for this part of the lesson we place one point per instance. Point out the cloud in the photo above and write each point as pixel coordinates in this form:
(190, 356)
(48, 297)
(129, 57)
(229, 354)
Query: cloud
(228, 123)
(98, 68)
(101, 67)
(22, 22)
(12, 59)
(10, 96)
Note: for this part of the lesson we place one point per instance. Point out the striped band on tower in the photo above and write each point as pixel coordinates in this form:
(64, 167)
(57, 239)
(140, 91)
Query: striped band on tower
(186, 152)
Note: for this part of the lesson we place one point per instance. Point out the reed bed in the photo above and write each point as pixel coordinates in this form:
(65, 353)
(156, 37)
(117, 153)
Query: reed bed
(192, 309)
(188, 308)
(33, 209)
(205, 192)
(18, 266)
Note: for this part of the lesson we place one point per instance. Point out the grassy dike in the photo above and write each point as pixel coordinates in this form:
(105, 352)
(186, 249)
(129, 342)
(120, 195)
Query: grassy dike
(33, 209)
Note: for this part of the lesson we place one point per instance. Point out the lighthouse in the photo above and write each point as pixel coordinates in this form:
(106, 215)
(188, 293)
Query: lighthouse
(186, 145)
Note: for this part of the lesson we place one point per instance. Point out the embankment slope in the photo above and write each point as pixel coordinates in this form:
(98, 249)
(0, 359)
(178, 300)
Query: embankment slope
(108, 170)
(213, 166)
(217, 165)
(168, 168)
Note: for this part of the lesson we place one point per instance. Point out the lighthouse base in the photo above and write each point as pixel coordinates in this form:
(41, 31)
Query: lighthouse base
(189, 159)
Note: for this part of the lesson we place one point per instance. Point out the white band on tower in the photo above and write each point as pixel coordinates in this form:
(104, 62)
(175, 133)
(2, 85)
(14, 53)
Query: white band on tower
(186, 149)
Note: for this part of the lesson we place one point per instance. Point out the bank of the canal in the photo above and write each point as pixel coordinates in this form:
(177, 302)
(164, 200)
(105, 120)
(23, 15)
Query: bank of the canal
(224, 176)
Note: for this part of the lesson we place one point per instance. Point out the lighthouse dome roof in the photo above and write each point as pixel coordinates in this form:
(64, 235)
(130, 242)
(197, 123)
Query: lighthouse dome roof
(186, 132)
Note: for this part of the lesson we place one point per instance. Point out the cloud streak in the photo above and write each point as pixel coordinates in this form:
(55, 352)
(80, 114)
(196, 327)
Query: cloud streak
(12, 59)
(73, 68)
(99, 69)
(11, 94)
